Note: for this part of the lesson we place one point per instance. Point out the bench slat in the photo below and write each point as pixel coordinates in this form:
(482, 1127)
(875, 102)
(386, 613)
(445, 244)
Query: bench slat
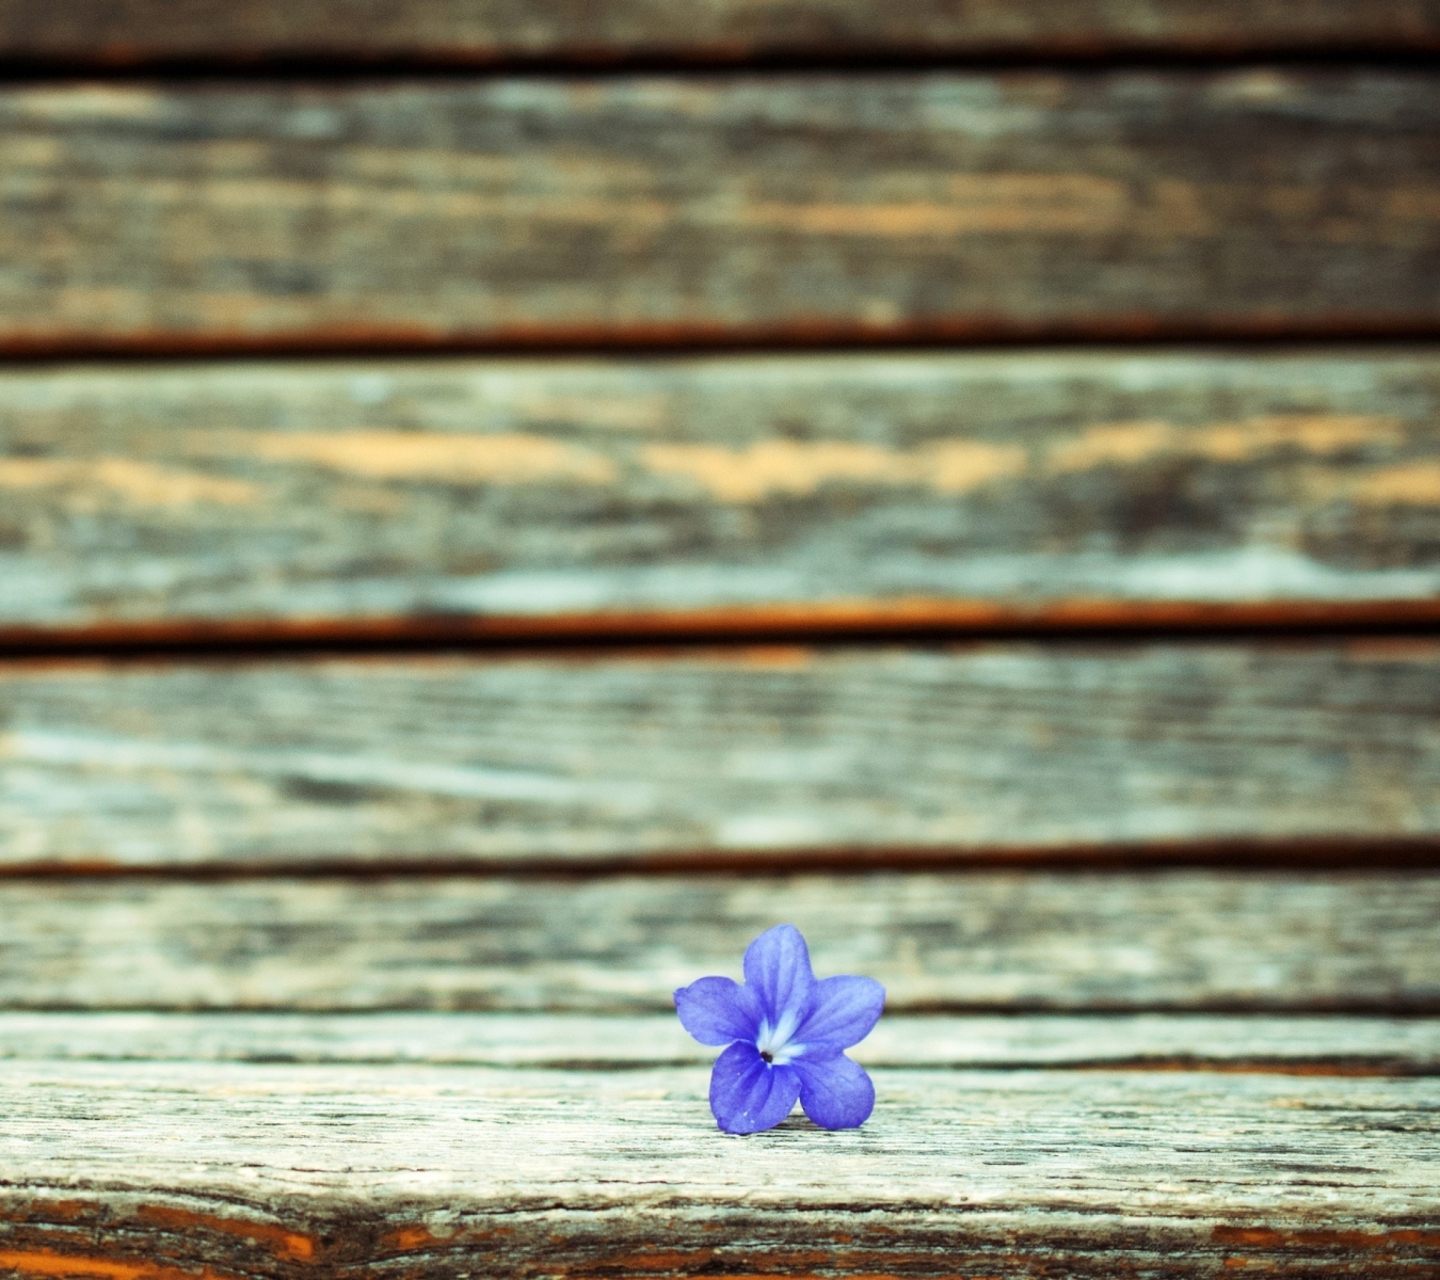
(719, 209)
(990, 750)
(1177, 940)
(823, 491)
(1399, 1046)
(484, 31)
(439, 1171)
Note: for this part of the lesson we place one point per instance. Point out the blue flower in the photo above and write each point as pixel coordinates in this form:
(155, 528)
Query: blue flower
(787, 1033)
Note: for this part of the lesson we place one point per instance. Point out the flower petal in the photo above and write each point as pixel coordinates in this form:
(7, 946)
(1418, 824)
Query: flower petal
(842, 1012)
(747, 1094)
(777, 967)
(717, 1011)
(834, 1090)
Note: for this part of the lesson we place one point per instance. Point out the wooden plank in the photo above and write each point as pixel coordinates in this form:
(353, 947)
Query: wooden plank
(471, 32)
(981, 751)
(995, 941)
(492, 495)
(156, 1170)
(1350, 1045)
(821, 207)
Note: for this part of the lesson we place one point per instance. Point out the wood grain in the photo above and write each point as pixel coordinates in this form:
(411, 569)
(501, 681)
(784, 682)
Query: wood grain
(893, 489)
(153, 1170)
(821, 207)
(1342, 1045)
(993, 941)
(125, 32)
(986, 751)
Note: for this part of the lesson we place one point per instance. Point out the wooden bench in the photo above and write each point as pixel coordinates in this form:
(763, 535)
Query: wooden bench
(501, 502)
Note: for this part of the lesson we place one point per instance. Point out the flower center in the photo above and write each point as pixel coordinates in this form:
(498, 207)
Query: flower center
(775, 1044)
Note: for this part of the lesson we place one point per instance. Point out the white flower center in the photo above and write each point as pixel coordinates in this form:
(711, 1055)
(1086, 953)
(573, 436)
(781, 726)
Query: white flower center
(774, 1042)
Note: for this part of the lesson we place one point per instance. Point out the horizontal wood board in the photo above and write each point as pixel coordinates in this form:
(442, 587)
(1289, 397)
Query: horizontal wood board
(1342, 1045)
(979, 750)
(729, 208)
(124, 32)
(163, 1169)
(772, 491)
(997, 941)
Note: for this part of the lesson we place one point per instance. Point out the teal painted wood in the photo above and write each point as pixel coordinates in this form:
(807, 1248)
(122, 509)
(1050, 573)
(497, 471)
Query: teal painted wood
(761, 492)
(752, 209)
(964, 752)
(1000, 941)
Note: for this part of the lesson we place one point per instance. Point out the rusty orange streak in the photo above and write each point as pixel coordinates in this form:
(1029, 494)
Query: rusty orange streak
(42, 1262)
(288, 1244)
(414, 1238)
(1270, 1238)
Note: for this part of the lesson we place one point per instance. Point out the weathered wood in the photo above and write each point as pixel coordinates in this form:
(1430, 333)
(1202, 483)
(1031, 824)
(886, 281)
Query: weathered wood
(883, 488)
(153, 1170)
(486, 31)
(1397, 1046)
(731, 208)
(1191, 940)
(985, 750)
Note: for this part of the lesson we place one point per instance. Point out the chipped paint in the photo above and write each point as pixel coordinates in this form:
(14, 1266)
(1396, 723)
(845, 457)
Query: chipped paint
(777, 467)
(1416, 484)
(795, 468)
(1111, 444)
(1320, 434)
(1128, 443)
(787, 467)
(974, 203)
(95, 482)
(510, 458)
(958, 466)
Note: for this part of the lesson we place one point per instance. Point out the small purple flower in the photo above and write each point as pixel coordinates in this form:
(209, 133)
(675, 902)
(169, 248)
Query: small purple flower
(787, 1033)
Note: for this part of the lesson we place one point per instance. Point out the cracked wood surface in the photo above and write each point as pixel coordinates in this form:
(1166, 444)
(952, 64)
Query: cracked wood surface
(654, 209)
(783, 490)
(961, 752)
(270, 1170)
(1000, 941)
(1338, 1044)
(124, 32)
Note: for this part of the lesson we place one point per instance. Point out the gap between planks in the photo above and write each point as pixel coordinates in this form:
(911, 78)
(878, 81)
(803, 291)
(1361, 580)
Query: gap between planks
(362, 35)
(918, 622)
